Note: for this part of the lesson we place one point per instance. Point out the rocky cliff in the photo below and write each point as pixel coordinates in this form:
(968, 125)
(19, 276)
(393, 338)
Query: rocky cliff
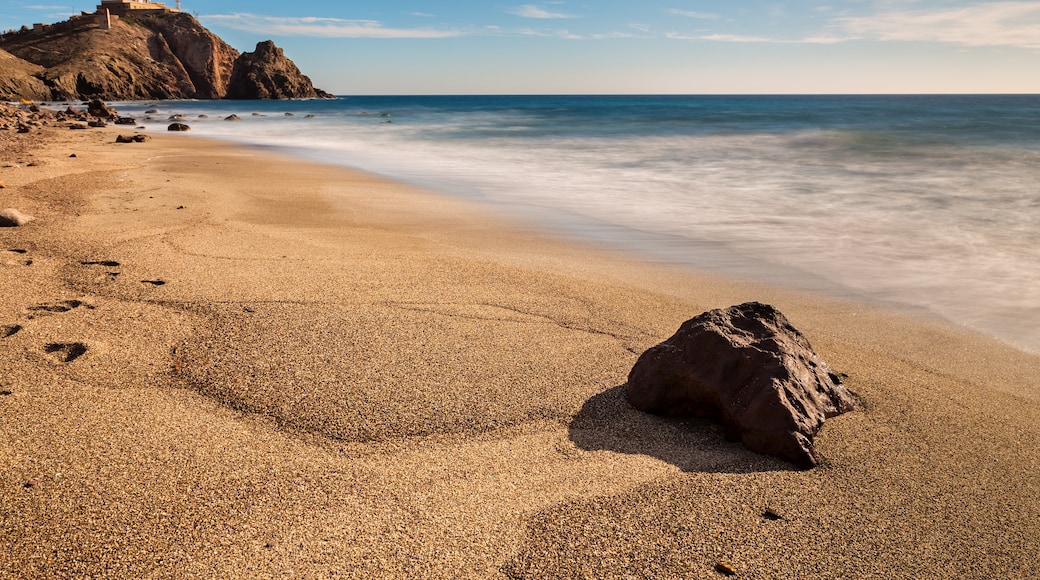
(266, 73)
(152, 55)
(17, 78)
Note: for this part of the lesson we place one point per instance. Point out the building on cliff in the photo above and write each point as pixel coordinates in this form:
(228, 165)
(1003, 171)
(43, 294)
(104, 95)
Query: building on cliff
(124, 7)
(110, 10)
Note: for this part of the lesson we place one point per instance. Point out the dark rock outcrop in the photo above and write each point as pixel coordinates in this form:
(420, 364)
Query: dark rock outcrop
(748, 368)
(98, 108)
(266, 73)
(178, 127)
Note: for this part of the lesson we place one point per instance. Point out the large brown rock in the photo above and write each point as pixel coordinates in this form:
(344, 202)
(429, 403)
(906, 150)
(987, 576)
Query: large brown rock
(266, 73)
(748, 368)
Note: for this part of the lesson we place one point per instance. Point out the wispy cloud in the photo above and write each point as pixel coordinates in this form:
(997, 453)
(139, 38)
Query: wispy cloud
(984, 24)
(321, 27)
(532, 11)
(557, 33)
(717, 37)
(692, 14)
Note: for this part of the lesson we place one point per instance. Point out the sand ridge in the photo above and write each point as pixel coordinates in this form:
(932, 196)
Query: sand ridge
(339, 376)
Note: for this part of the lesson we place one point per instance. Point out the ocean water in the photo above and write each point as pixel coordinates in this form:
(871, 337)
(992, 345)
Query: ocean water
(926, 202)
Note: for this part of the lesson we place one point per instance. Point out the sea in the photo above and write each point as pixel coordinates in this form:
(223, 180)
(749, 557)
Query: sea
(924, 202)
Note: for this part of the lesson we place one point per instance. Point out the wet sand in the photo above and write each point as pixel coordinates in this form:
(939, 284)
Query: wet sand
(226, 363)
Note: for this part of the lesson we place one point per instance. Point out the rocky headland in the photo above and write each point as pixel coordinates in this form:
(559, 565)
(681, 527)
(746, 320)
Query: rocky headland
(155, 54)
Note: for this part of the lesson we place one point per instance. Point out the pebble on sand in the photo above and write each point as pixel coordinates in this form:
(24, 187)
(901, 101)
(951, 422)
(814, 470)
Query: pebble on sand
(12, 218)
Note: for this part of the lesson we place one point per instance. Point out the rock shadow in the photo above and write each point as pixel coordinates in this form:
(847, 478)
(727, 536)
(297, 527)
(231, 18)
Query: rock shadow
(58, 307)
(607, 422)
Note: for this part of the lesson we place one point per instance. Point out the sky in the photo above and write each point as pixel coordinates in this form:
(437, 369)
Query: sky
(351, 47)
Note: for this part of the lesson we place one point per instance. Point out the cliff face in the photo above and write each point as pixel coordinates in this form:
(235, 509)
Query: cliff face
(206, 58)
(17, 80)
(151, 55)
(265, 73)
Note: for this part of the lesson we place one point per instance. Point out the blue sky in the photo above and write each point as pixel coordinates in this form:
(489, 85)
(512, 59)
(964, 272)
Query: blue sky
(626, 46)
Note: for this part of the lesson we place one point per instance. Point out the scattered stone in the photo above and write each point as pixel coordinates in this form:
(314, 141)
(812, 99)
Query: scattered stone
(126, 121)
(73, 156)
(177, 117)
(12, 218)
(132, 138)
(725, 569)
(6, 393)
(77, 126)
(178, 127)
(748, 368)
(232, 117)
(771, 515)
(30, 484)
(98, 123)
(151, 111)
(154, 282)
(97, 108)
(3, 185)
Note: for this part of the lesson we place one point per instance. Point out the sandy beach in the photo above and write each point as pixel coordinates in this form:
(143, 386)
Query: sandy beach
(217, 362)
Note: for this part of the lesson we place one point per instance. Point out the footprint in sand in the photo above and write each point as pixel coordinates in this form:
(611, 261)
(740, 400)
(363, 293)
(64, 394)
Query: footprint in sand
(9, 330)
(20, 262)
(110, 276)
(66, 351)
(48, 308)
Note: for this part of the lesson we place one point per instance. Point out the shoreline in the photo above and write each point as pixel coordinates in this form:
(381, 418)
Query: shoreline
(340, 375)
(969, 285)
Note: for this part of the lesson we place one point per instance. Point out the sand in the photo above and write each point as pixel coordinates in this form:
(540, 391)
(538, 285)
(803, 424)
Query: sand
(217, 362)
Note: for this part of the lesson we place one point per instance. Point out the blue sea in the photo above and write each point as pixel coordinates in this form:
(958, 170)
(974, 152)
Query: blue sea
(924, 202)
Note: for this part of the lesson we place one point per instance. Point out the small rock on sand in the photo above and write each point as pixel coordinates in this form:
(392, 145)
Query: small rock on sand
(12, 218)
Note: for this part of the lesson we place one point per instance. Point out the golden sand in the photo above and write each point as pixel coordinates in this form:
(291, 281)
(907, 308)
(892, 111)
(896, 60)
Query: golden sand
(228, 364)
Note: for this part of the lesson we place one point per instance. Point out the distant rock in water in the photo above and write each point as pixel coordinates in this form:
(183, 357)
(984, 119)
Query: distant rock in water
(178, 127)
(748, 368)
(266, 73)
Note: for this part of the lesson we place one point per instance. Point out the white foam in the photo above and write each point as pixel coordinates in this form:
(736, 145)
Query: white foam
(951, 229)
